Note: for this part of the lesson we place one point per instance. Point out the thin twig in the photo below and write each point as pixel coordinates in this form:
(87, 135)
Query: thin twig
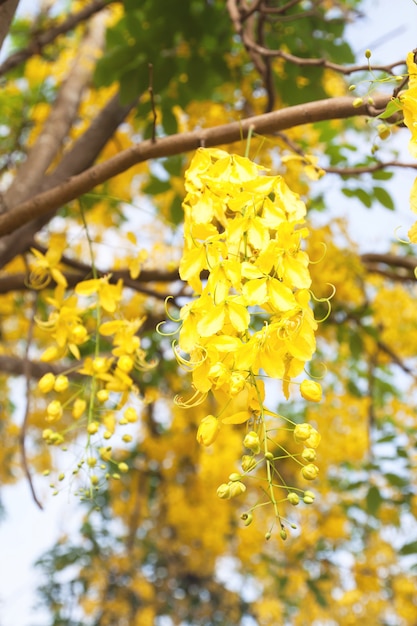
(27, 374)
(151, 94)
(46, 37)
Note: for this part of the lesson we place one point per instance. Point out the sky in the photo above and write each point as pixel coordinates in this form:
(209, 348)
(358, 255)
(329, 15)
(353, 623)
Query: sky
(26, 532)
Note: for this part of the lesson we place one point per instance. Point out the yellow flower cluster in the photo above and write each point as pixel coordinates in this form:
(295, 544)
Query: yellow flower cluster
(100, 395)
(408, 102)
(251, 316)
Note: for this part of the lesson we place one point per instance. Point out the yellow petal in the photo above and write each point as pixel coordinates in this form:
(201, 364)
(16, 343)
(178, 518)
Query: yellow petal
(255, 291)
(237, 418)
(413, 197)
(239, 316)
(280, 296)
(212, 321)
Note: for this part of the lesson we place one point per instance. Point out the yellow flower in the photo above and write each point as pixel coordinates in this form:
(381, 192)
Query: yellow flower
(45, 266)
(408, 101)
(109, 295)
(208, 430)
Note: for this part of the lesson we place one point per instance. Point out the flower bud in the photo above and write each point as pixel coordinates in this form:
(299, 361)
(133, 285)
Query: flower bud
(293, 498)
(309, 497)
(92, 428)
(223, 491)
(383, 131)
(125, 363)
(61, 383)
(310, 471)
(102, 395)
(234, 477)
(309, 455)
(78, 334)
(248, 462)
(208, 430)
(54, 411)
(358, 102)
(123, 467)
(236, 488)
(78, 408)
(46, 383)
(302, 432)
(251, 441)
(283, 534)
(310, 390)
(313, 440)
(131, 415)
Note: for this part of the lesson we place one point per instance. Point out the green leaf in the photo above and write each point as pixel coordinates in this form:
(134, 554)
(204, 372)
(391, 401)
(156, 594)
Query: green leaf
(396, 481)
(176, 211)
(392, 107)
(355, 345)
(384, 198)
(156, 186)
(360, 194)
(382, 175)
(373, 500)
(409, 548)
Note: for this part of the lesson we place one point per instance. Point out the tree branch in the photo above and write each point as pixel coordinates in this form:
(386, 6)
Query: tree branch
(81, 156)
(7, 11)
(28, 180)
(43, 203)
(383, 264)
(255, 48)
(42, 39)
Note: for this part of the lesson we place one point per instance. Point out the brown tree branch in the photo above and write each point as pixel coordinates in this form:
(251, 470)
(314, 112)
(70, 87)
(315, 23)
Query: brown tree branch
(383, 264)
(367, 169)
(43, 203)
(15, 366)
(7, 11)
(28, 180)
(40, 40)
(253, 47)
(81, 156)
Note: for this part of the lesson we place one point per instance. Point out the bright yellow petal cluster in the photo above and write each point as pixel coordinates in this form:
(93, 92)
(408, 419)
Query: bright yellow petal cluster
(251, 317)
(244, 229)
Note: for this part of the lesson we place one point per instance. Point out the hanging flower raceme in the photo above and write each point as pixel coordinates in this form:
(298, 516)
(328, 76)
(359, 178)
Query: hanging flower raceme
(408, 102)
(103, 394)
(251, 317)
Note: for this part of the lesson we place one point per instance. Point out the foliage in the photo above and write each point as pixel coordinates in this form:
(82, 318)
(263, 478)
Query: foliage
(212, 368)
